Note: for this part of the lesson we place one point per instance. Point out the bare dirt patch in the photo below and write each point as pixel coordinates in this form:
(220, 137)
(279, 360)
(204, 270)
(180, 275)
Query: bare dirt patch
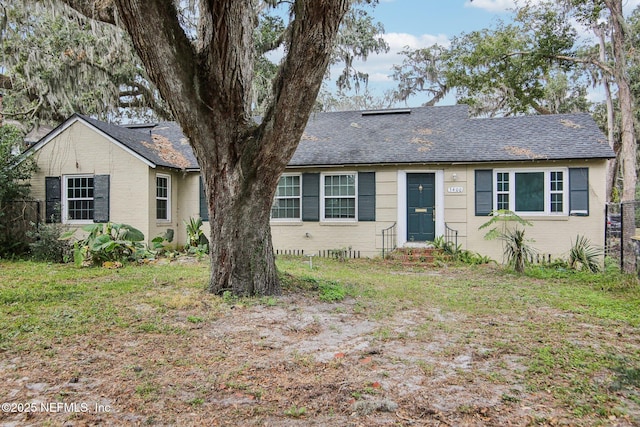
(293, 361)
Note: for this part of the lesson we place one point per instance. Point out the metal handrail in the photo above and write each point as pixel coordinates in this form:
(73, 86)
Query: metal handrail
(389, 241)
(449, 235)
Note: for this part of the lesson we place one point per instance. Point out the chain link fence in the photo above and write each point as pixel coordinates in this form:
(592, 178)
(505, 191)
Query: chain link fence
(619, 218)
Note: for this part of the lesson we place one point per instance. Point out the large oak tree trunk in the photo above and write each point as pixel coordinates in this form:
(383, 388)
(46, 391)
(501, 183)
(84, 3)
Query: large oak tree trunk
(207, 84)
(242, 260)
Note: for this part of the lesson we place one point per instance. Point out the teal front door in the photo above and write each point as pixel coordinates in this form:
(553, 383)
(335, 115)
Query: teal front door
(421, 204)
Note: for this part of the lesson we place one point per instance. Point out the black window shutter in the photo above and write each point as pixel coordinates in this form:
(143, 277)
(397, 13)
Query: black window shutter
(101, 198)
(204, 206)
(311, 197)
(579, 191)
(484, 192)
(53, 196)
(366, 196)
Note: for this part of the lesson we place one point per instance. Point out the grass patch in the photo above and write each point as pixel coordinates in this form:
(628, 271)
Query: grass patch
(584, 374)
(328, 290)
(41, 302)
(569, 336)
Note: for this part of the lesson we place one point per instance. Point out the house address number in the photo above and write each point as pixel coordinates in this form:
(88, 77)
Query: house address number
(455, 190)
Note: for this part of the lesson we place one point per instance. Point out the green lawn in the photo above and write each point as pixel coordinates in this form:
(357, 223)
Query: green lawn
(545, 347)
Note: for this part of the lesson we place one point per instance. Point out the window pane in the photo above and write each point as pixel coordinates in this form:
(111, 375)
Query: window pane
(503, 181)
(556, 202)
(556, 181)
(79, 198)
(503, 201)
(529, 191)
(161, 209)
(339, 185)
(340, 208)
(286, 204)
(329, 185)
(161, 187)
(286, 208)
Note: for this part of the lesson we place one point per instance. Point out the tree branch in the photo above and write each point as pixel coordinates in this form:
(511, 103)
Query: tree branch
(150, 100)
(589, 61)
(313, 34)
(163, 47)
(5, 82)
(100, 10)
(576, 60)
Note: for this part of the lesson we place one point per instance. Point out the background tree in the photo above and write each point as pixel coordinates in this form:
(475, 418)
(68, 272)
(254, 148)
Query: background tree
(56, 62)
(620, 62)
(206, 77)
(345, 100)
(504, 70)
(358, 37)
(629, 145)
(14, 187)
(14, 175)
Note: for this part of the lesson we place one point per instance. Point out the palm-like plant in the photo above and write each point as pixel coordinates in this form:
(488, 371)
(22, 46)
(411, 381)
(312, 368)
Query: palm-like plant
(195, 235)
(584, 256)
(516, 249)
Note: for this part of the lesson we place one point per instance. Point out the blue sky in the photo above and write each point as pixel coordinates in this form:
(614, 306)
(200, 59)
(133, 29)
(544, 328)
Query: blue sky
(434, 17)
(422, 23)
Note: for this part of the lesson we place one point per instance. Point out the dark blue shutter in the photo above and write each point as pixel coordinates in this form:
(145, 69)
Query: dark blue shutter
(101, 198)
(579, 191)
(204, 206)
(366, 196)
(311, 197)
(53, 196)
(484, 192)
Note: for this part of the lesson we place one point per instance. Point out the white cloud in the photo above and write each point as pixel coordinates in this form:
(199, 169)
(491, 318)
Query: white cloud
(629, 5)
(379, 66)
(398, 41)
(496, 6)
(491, 5)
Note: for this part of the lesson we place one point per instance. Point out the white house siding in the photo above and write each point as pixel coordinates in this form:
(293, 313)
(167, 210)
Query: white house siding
(178, 205)
(79, 149)
(188, 205)
(364, 236)
(551, 235)
(456, 190)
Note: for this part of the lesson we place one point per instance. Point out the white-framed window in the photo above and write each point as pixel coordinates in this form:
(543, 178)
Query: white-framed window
(288, 198)
(339, 197)
(163, 197)
(556, 191)
(532, 191)
(78, 199)
(502, 190)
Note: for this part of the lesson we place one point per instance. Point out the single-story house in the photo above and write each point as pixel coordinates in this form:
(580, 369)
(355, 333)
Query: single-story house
(417, 171)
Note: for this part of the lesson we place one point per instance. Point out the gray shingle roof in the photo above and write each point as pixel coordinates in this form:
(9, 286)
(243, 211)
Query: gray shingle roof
(445, 135)
(417, 135)
(162, 144)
